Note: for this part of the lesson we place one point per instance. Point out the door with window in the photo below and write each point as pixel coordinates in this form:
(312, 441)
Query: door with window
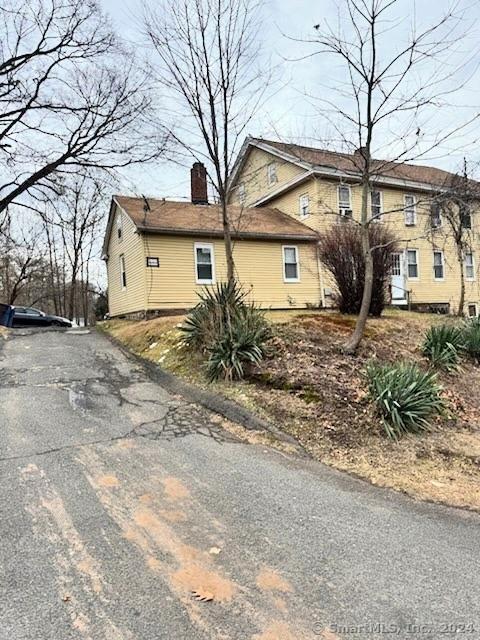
(398, 277)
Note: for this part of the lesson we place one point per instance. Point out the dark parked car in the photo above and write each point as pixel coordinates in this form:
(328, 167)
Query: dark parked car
(30, 317)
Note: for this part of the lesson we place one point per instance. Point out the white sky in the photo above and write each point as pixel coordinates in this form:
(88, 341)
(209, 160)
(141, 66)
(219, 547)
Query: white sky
(289, 115)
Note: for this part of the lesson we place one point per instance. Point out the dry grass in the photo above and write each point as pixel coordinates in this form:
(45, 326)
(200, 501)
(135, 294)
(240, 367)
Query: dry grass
(317, 394)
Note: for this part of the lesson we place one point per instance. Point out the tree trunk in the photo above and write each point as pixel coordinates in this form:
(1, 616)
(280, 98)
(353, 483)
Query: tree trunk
(461, 303)
(352, 344)
(227, 235)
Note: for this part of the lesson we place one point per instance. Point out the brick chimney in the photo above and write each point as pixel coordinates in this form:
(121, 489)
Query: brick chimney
(198, 175)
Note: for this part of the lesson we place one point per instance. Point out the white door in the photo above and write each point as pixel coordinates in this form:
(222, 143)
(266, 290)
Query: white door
(398, 277)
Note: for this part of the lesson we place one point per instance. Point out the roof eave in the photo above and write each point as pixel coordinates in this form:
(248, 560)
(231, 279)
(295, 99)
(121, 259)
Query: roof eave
(243, 235)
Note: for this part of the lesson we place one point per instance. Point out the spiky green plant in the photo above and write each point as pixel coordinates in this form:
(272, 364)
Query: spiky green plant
(443, 345)
(405, 397)
(471, 338)
(229, 330)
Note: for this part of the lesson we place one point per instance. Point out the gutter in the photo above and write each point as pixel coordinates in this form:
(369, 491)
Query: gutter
(237, 236)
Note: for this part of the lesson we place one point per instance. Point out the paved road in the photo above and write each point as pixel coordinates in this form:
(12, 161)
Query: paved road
(119, 502)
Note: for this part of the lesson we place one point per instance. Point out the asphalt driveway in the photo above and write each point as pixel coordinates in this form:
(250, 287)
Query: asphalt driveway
(129, 513)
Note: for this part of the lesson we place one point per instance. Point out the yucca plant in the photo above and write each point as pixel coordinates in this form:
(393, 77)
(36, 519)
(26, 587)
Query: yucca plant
(243, 342)
(405, 397)
(471, 338)
(443, 345)
(206, 321)
(227, 328)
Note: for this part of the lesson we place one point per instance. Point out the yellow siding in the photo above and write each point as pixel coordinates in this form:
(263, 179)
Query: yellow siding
(259, 269)
(324, 210)
(133, 297)
(254, 175)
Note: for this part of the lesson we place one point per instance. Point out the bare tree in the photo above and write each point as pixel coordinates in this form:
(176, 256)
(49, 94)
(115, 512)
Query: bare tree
(208, 59)
(387, 90)
(70, 97)
(452, 213)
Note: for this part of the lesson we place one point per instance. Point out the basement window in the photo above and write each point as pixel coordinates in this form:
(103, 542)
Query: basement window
(204, 264)
(291, 271)
(123, 273)
(472, 310)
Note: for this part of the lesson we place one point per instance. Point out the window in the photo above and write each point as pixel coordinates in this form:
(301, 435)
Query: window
(241, 193)
(376, 205)
(466, 216)
(438, 268)
(410, 211)
(304, 203)
(469, 266)
(472, 310)
(344, 201)
(119, 226)
(123, 273)
(290, 264)
(204, 264)
(435, 215)
(272, 173)
(412, 263)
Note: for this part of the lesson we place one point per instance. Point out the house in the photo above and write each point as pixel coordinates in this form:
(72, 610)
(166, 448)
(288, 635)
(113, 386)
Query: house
(161, 253)
(320, 188)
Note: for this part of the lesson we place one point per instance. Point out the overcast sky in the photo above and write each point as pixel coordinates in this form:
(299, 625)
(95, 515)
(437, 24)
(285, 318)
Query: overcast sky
(291, 115)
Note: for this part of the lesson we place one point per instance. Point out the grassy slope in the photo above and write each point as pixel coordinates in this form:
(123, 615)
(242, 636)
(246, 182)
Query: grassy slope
(312, 391)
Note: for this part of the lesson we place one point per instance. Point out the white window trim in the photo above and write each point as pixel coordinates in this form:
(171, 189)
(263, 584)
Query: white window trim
(410, 195)
(472, 304)
(349, 208)
(382, 210)
(123, 271)
(119, 226)
(242, 193)
(467, 278)
(417, 255)
(443, 265)
(290, 246)
(204, 245)
(303, 216)
(272, 177)
(440, 216)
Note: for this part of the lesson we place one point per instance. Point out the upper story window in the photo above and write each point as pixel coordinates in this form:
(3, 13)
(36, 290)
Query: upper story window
(438, 265)
(123, 272)
(410, 210)
(242, 194)
(291, 268)
(345, 201)
(119, 226)
(466, 216)
(204, 263)
(304, 205)
(376, 198)
(272, 173)
(469, 266)
(435, 215)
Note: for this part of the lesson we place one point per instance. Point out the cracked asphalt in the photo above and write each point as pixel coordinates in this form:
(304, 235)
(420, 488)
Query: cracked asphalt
(131, 513)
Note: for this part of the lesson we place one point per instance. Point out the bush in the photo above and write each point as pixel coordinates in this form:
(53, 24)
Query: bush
(228, 329)
(471, 338)
(405, 397)
(443, 345)
(341, 253)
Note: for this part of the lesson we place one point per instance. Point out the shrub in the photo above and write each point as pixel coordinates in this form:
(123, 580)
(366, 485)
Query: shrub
(404, 396)
(341, 253)
(443, 345)
(471, 338)
(228, 329)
